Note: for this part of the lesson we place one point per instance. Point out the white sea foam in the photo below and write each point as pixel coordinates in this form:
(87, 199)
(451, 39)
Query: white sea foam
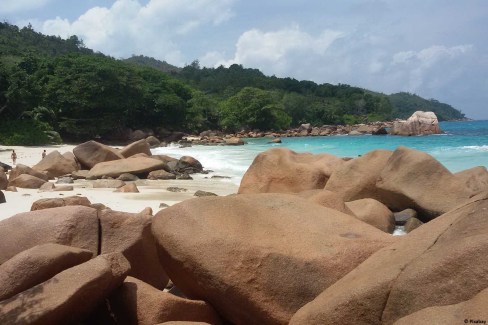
(477, 148)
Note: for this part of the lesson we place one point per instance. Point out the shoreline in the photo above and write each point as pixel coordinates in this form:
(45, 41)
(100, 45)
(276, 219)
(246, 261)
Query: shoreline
(151, 192)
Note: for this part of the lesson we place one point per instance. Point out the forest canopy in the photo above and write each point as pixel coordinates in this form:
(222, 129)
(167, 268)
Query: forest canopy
(51, 84)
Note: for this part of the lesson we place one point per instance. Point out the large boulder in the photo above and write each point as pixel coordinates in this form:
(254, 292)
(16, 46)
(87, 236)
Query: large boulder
(419, 123)
(475, 179)
(68, 297)
(472, 311)
(280, 170)
(187, 164)
(49, 203)
(141, 146)
(356, 178)
(23, 169)
(137, 302)
(414, 179)
(75, 226)
(441, 263)
(27, 181)
(130, 233)
(374, 213)
(55, 165)
(36, 265)
(134, 165)
(91, 153)
(327, 199)
(257, 258)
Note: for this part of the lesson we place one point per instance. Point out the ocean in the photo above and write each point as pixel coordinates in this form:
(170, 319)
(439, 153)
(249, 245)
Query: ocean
(463, 145)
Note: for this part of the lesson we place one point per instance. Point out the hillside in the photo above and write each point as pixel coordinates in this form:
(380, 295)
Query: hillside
(404, 104)
(51, 84)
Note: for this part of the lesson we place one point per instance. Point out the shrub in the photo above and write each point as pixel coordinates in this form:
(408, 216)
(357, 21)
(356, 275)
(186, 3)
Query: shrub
(24, 133)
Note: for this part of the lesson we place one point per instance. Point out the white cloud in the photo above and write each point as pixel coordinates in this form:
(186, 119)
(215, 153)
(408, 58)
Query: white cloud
(431, 55)
(13, 6)
(128, 27)
(278, 50)
(427, 69)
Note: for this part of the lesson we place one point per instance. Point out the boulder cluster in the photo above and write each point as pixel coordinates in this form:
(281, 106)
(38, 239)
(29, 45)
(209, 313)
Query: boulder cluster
(307, 240)
(420, 123)
(108, 167)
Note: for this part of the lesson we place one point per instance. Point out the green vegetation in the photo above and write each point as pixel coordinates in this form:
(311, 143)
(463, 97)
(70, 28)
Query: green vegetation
(406, 104)
(49, 84)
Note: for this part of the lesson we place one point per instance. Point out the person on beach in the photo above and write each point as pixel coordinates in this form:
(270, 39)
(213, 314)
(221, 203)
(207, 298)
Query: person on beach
(14, 157)
(44, 154)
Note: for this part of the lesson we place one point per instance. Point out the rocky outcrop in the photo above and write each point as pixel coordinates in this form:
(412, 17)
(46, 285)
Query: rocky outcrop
(419, 123)
(327, 199)
(60, 202)
(36, 265)
(472, 311)
(75, 226)
(23, 169)
(137, 147)
(133, 165)
(137, 302)
(55, 165)
(414, 179)
(69, 296)
(475, 179)
(443, 262)
(27, 181)
(374, 213)
(91, 153)
(130, 233)
(356, 178)
(237, 252)
(281, 170)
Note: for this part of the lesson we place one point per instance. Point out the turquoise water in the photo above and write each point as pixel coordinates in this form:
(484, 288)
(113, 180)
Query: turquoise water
(463, 145)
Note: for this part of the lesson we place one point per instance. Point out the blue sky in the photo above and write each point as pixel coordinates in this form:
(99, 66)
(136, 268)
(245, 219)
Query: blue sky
(434, 48)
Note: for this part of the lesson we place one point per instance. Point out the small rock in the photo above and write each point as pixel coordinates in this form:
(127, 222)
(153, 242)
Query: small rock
(2, 197)
(63, 188)
(163, 205)
(65, 180)
(176, 189)
(402, 216)
(411, 224)
(203, 193)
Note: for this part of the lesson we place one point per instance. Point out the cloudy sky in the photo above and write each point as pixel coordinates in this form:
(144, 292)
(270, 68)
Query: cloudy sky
(434, 48)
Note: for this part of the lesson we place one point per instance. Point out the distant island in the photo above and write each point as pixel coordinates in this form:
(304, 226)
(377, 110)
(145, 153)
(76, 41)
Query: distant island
(53, 89)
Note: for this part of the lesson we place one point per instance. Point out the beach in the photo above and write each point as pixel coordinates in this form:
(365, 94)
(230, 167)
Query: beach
(152, 192)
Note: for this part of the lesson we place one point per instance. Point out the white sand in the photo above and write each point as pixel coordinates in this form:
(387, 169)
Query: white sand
(152, 193)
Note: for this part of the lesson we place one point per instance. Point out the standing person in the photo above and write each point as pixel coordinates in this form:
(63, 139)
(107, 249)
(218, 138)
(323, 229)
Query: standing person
(44, 154)
(14, 157)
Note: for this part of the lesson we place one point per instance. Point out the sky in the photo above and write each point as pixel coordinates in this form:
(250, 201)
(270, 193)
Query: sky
(433, 48)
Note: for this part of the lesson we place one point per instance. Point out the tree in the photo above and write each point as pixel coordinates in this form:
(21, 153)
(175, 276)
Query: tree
(253, 108)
